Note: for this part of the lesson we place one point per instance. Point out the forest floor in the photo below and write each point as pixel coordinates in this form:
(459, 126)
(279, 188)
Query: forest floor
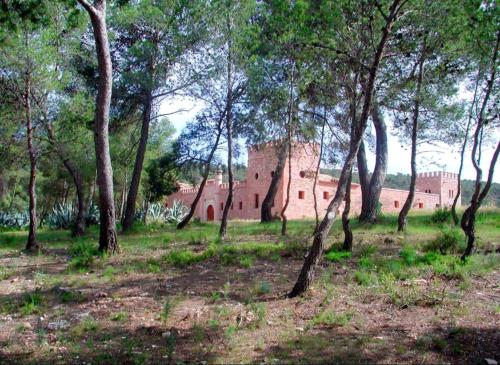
(183, 296)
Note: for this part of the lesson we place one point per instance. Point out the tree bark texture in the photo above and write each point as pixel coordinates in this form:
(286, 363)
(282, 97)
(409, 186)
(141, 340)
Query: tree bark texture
(108, 241)
(31, 244)
(316, 175)
(288, 184)
(307, 272)
(469, 217)
(414, 133)
(370, 202)
(267, 203)
(128, 218)
(347, 245)
(197, 198)
(229, 130)
(79, 227)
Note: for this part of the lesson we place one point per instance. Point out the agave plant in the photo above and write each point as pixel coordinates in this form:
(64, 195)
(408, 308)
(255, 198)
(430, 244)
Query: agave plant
(62, 216)
(14, 219)
(176, 213)
(157, 212)
(92, 216)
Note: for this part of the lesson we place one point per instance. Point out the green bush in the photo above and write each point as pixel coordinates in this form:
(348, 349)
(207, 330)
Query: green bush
(336, 256)
(83, 254)
(449, 240)
(409, 255)
(183, 258)
(441, 216)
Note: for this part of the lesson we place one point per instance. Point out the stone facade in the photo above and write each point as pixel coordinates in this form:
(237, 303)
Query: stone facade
(434, 189)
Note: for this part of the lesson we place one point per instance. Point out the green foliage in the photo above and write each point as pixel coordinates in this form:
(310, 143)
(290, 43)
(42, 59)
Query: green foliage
(330, 318)
(62, 216)
(119, 316)
(442, 215)
(260, 312)
(183, 258)
(14, 220)
(409, 255)
(166, 310)
(449, 240)
(83, 255)
(31, 303)
(337, 256)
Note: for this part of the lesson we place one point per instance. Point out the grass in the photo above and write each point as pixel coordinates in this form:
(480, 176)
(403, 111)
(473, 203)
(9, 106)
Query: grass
(329, 318)
(187, 269)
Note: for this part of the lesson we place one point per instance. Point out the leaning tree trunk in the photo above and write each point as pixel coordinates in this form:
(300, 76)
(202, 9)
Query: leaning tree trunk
(347, 245)
(79, 227)
(364, 180)
(454, 215)
(199, 193)
(288, 185)
(469, 217)
(31, 244)
(316, 175)
(414, 132)
(229, 129)
(370, 202)
(128, 218)
(267, 203)
(108, 241)
(307, 273)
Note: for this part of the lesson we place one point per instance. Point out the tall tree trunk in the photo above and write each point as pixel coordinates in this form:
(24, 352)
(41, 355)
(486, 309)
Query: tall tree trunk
(289, 142)
(316, 175)
(469, 217)
(79, 227)
(199, 193)
(133, 191)
(289, 183)
(108, 241)
(267, 203)
(229, 130)
(370, 202)
(454, 215)
(307, 273)
(122, 197)
(364, 180)
(31, 244)
(414, 133)
(347, 245)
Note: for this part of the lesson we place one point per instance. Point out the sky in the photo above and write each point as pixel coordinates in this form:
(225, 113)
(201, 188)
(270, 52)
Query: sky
(430, 158)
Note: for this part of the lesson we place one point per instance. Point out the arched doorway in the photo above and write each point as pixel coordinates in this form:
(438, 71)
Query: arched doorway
(210, 213)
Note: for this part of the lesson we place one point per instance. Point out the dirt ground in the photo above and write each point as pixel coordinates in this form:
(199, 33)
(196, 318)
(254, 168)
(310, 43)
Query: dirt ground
(214, 313)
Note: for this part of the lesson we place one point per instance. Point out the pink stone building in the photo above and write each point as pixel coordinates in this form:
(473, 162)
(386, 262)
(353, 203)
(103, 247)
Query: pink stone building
(434, 189)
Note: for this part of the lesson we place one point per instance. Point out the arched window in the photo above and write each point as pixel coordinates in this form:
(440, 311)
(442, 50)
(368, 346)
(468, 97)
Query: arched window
(221, 206)
(241, 205)
(256, 201)
(256, 176)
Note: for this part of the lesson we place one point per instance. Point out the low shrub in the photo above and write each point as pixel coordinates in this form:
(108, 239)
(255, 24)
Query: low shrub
(449, 240)
(441, 216)
(337, 256)
(83, 255)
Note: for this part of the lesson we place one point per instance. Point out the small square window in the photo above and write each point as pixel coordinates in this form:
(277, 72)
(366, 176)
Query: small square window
(396, 204)
(420, 205)
(326, 195)
(302, 194)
